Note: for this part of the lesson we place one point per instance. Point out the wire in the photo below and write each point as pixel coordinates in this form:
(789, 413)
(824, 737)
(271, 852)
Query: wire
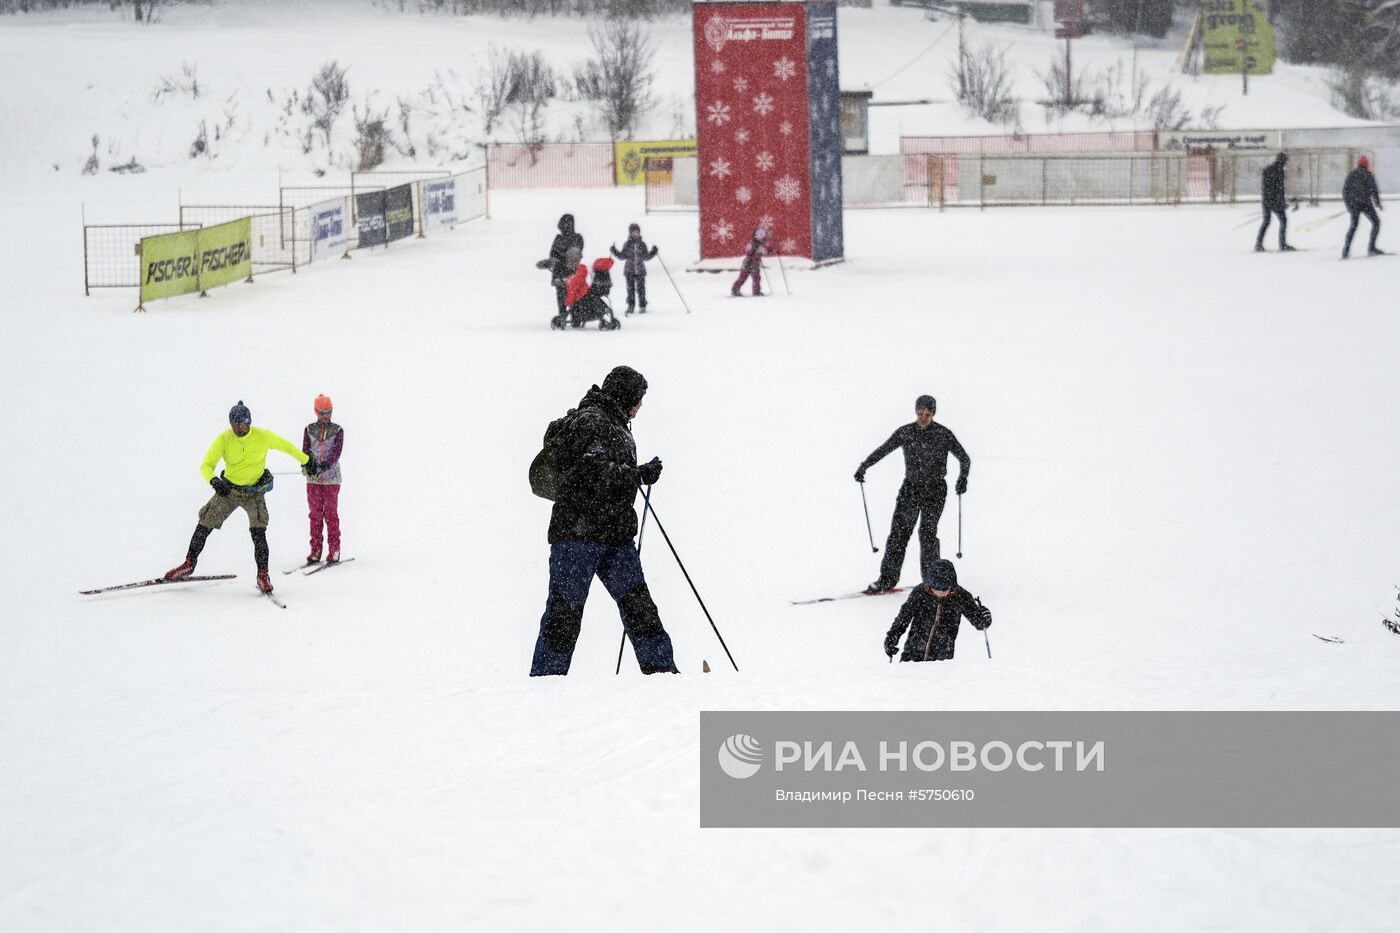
(905, 67)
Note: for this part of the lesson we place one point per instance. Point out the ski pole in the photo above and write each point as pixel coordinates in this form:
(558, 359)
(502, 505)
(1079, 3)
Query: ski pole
(675, 289)
(868, 530)
(1308, 227)
(782, 269)
(662, 528)
(641, 531)
(959, 526)
(988, 641)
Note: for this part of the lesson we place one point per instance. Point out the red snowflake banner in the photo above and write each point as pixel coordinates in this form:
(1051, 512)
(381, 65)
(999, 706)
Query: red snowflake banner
(752, 106)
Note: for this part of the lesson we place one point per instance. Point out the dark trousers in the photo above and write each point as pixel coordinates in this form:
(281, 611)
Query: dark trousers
(1371, 215)
(572, 566)
(559, 292)
(1269, 213)
(636, 291)
(921, 504)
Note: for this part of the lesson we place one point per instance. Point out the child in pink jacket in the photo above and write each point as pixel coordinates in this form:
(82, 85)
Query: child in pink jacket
(753, 262)
(322, 441)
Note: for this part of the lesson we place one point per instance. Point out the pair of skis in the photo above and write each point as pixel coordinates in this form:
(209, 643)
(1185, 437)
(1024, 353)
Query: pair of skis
(208, 578)
(832, 599)
(317, 566)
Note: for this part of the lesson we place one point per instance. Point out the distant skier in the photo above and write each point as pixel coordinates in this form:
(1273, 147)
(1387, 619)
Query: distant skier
(1275, 202)
(242, 484)
(1360, 193)
(323, 441)
(932, 614)
(594, 460)
(753, 262)
(926, 448)
(634, 258)
(559, 268)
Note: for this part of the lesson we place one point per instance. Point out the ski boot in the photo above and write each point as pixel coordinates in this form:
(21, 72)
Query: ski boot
(180, 572)
(264, 582)
(1285, 248)
(878, 587)
(643, 310)
(630, 309)
(333, 557)
(1375, 252)
(314, 557)
(1259, 248)
(735, 292)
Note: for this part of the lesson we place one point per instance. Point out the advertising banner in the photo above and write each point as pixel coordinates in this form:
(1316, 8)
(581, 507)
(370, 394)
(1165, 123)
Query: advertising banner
(369, 216)
(169, 265)
(1049, 769)
(1197, 140)
(754, 163)
(440, 203)
(225, 253)
(398, 212)
(1236, 34)
(631, 160)
(330, 229)
(824, 102)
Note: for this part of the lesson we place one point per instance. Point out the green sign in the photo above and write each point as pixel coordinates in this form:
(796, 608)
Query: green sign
(179, 263)
(1237, 34)
(169, 265)
(225, 253)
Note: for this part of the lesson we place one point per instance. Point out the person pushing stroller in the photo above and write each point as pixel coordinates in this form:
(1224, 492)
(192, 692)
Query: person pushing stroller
(585, 300)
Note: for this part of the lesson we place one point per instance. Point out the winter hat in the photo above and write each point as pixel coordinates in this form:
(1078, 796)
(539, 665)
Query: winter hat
(323, 403)
(942, 576)
(625, 386)
(631, 227)
(239, 414)
(926, 403)
(566, 223)
(1364, 162)
(760, 233)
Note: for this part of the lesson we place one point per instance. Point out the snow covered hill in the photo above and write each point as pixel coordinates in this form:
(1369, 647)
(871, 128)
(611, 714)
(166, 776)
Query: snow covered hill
(1182, 471)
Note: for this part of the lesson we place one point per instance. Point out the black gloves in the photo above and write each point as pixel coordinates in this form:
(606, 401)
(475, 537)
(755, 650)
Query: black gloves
(311, 467)
(221, 485)
(860, 474)
(962, 485)
(891, 644)
(649, 473)
(982, 619)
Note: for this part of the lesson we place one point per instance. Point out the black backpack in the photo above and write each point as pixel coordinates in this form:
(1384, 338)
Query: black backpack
(547, 469)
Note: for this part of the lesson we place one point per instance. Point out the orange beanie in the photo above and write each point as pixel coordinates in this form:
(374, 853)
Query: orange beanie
(323, 403)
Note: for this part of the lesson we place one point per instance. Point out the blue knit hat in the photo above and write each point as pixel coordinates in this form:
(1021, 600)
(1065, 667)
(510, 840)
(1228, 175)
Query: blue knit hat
(239, 414)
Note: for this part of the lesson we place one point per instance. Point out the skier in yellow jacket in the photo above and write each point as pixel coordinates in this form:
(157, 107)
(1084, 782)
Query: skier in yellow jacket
(242, 484)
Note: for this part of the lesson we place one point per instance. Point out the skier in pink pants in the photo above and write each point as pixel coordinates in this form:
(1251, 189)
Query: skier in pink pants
(323, 441)
(753, 262)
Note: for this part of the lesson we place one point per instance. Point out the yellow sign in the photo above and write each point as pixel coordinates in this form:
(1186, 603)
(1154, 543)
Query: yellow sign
(633, 160)
(1237, 37)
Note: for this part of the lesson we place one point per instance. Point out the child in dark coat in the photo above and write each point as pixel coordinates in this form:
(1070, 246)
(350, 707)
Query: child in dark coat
(932, 613)
(634, 258)
(753, 262)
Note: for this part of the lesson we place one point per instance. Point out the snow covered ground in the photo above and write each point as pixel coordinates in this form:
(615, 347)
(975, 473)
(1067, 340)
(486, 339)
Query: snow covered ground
(1182, 470)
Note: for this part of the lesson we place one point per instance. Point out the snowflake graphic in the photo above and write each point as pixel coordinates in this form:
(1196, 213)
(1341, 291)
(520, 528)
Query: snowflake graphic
(719, 113)
(789, 246)
(743, 195)
(787, 189)
(831, 67)
(720, 168)
(741, 137)
(741, 84)
(784, 68)
(765, 161)
(763, 104)
(785, 127)
(722, 231)
(766, 221)
(717, 67)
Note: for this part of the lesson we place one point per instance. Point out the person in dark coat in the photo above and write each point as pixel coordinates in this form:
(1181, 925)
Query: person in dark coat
(932, 614)
(1362, 196)
(558, 265)
(1275, 202)
(592, 527)
(926, 448)
(634, 258)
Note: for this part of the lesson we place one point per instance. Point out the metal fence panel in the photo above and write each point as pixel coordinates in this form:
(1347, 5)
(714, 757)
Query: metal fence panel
(554, 165)
(281, 236)
(110, 258)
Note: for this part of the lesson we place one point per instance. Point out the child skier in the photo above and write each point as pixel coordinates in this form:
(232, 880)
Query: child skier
(634, 257)
(753, 262)
(322, 441)
(932, 613)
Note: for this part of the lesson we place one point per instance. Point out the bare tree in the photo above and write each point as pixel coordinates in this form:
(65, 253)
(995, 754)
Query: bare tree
(326, 100)
(622, 79)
